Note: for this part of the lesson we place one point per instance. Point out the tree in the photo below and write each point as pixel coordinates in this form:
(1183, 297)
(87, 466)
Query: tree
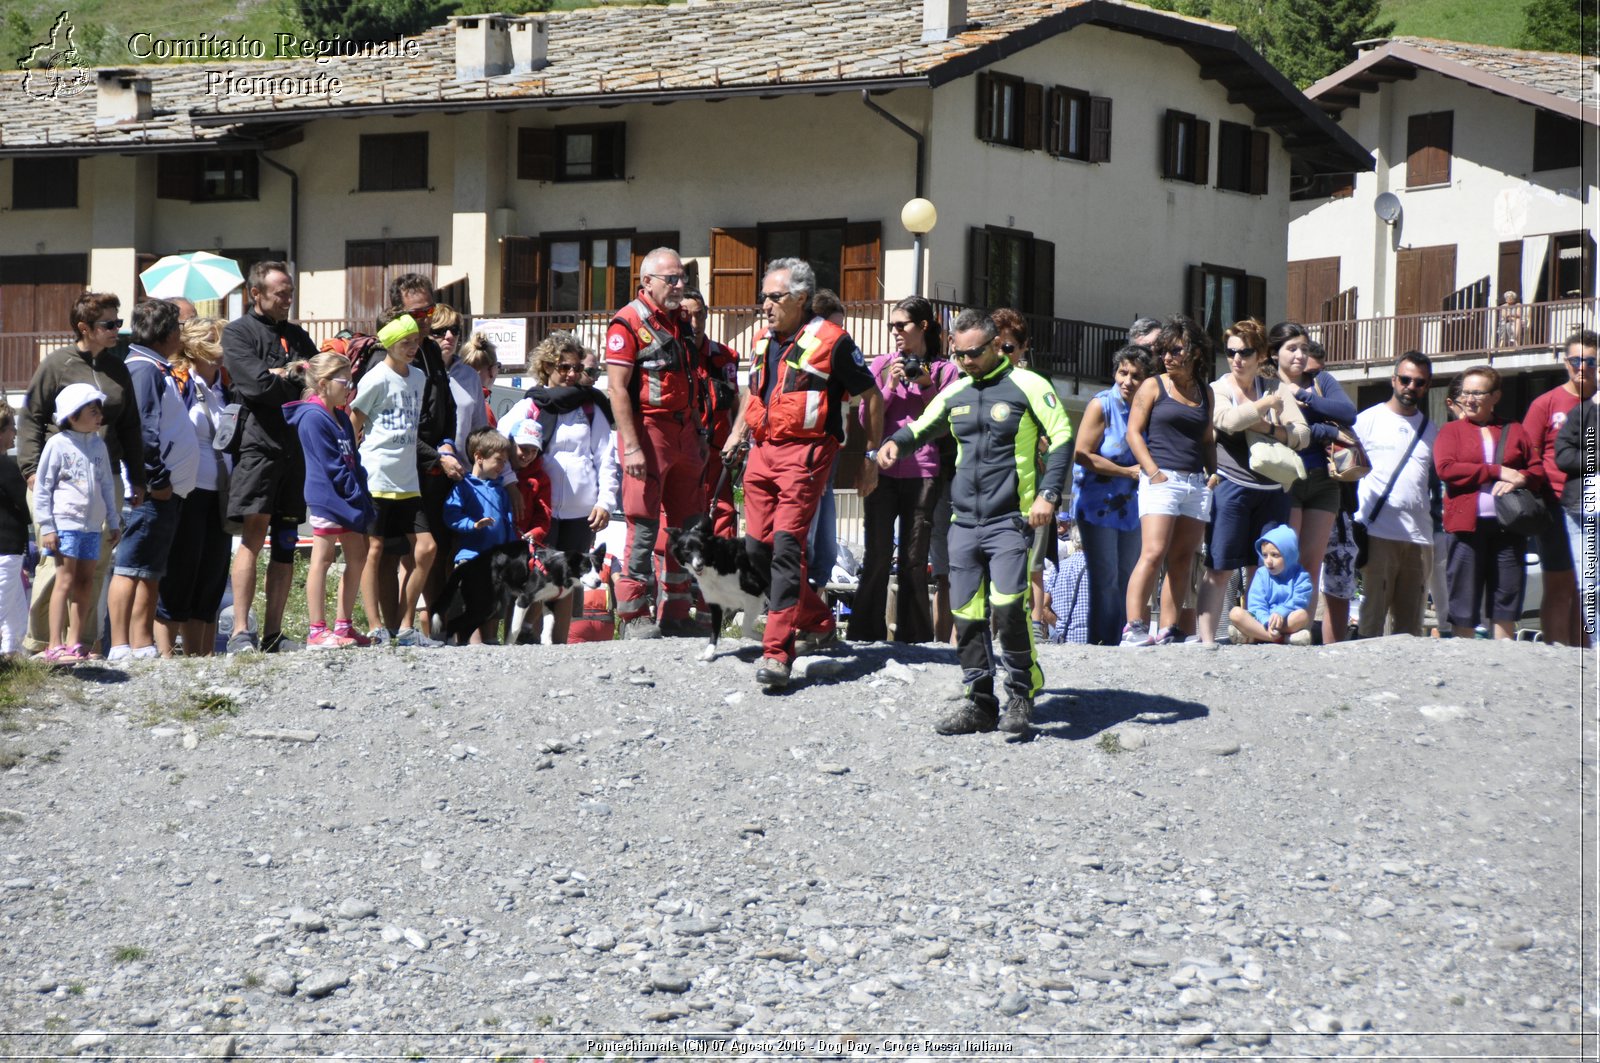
(371, 20)
(1311, 41)
(1559, 26)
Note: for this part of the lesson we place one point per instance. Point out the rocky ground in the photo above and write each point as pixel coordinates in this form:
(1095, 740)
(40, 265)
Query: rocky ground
(617, 851)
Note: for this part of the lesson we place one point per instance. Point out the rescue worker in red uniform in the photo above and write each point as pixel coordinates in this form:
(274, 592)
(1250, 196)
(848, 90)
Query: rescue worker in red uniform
(802, 370)
(720, 390)
(652, 377)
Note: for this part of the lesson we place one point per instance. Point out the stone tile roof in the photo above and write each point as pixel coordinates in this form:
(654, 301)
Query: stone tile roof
(1558, 73)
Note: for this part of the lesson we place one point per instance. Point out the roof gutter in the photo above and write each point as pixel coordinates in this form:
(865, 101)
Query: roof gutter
(922, 141)
(294, 216)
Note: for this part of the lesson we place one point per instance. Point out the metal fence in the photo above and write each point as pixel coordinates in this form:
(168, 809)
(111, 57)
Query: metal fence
(1475, 332)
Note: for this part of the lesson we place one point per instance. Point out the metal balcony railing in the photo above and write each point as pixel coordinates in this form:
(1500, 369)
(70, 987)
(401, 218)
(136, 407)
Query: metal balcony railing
(1481, 332)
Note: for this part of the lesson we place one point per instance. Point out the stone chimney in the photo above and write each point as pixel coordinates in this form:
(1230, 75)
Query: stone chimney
(529, 44)
(483, 47)
(943, 19)
(120, 96)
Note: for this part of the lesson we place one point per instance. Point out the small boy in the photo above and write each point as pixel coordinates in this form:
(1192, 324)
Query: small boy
(385, 413)
(479, 511)
(1280, 593)
(14, 521)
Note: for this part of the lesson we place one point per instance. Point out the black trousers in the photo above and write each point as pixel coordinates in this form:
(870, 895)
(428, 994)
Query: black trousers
(908, 502)
(989, 572)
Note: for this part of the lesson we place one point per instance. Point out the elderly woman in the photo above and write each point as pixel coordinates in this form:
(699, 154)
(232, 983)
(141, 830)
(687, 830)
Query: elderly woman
(1478, 457)
(579, 451)
(191, 592)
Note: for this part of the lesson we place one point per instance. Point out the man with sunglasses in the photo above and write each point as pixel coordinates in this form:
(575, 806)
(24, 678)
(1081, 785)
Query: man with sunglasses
(1558, 612)
(997, 413)
(652, 376)
(1394, 501)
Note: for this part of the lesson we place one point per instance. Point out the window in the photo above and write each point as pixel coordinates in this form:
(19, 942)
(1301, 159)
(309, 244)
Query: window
(577, 272)
(1010, 111)
(201, 177)
(1557, 141)
(1008, 267)
(393, 162)
(1078, 125)
(1428, 139)
(44, 184)
(1220, 295)
(572, 153)
(369, 266)
(845, 255)
(1186, 151)
(1242, 158)
(1323, 186)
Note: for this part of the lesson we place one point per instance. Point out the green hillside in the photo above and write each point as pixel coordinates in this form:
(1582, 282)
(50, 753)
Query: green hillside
(1478, 21)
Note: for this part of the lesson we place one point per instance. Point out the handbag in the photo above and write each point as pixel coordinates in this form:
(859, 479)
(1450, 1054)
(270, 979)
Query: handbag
(1519, 510)
(1347, 459)
(1276, 461)
(1358, 526)
(229, 430)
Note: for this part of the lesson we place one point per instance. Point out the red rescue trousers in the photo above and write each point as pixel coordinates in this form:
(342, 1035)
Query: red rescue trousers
(783, 483)
(672, 491)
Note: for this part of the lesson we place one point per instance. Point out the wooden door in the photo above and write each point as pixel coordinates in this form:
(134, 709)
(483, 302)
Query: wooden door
(1424, 279)
(1313, 285)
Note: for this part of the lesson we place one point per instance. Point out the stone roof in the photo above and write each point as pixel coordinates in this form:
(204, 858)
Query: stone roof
(1555, 80)
(625, 54)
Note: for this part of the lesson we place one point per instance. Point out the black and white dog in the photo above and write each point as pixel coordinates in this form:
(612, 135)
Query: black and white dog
(528, 575)
(728, 581)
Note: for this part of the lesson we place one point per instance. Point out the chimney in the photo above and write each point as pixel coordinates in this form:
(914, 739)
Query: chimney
(120, 96)
(529, 44)
(483, 48)
(943, 19)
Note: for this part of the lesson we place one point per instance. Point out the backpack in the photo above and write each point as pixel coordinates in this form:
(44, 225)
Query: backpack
(362, 350)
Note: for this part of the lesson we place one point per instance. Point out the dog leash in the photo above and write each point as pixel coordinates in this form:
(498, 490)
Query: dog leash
(730, 462)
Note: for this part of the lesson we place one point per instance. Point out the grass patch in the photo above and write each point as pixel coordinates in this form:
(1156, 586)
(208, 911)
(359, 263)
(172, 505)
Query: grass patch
(129, 954)
(21, 681)
(1459, 20)
(296, 617)
(1110, 743)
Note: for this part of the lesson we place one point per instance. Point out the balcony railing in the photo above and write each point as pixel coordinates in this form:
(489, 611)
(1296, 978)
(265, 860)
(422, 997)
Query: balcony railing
(1482, 332)
(1062, 348)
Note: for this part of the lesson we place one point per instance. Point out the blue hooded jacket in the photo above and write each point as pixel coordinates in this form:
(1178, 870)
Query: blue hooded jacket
(470, 500)
(1288, 590)
(336, 484)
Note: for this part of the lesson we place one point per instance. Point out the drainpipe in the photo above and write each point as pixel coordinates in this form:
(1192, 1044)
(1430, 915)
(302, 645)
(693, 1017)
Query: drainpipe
(294, 220)
(922, 143)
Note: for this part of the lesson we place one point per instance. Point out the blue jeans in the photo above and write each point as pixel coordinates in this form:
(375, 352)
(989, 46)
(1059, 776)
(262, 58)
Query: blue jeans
(823, 549)
(1581, 534)
(1111, 554)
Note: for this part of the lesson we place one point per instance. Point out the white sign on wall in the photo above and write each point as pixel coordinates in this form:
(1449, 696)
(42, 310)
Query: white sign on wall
(509, 336)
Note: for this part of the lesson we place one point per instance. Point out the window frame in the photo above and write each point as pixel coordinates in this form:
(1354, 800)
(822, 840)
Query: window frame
(1188, 162)
(44, 184)
(1243, 158)
(613, 132)
(1059, 106)
(1426, 134)
(376, 170)
(1034, 290)
(1002, 95)
(1251, 297)
(1557, 142)
(585, 239)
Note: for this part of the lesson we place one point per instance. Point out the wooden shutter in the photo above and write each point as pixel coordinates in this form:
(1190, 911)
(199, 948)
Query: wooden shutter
(1195, 299)
(1099, 129)
(521, 274)
(1408, 281)
(363, 281)
(1042, 278)
(978, 268)
(733, 268)
(1202, 152)
(859, 262)
(1260, 161)
(1032, 116)
(1428, 145)
(985, 106)
(536, 154)
(142, 261)
(1169, 149)
(458, 294)
(178, 176)
(1055, 125)
(642, 245)
(1255, 298)
(1508, 277)
(1438, 275)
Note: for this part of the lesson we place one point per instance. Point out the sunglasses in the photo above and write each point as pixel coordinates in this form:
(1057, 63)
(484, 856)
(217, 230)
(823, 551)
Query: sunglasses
(566, 367)
(1241, 352)
(671, 280)
(901, 326)
(1008, 348)
(774, 297)
(1412, 381)
(1584, 363)
(423, 314)
(114, 324)
(968, 354)
(450, 330)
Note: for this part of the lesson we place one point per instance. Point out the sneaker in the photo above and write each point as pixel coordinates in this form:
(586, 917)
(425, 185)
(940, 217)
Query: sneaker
(411, 638)
(1167, 636)
(641, 627)
(977, 714)
(357, 639)
(328, 639)
(1041, 634)
(119, 653)
(379, 636)
(1301, 638)
(809, 643)
(243, 642)
(683, 628)
(278, 642)
(773, 673)
(1136, 634)
(1018, 719)
(144, 653)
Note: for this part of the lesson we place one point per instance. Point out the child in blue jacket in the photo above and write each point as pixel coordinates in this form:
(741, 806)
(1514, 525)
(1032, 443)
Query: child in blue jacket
(1280, 594)
(337, 498)
(479, 511)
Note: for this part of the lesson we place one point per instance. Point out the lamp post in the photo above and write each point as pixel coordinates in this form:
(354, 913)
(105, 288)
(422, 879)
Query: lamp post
(919, 218)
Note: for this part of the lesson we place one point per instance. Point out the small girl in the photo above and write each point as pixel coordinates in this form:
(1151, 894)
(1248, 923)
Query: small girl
(337, 499)
(75, 492)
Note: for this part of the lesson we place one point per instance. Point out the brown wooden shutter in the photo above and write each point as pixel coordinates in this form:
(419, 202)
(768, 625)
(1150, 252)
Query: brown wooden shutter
(860, 262)
(985, 106)
(733, 268)
(1032, 116)
(142, 261)
(178, 176)
(1428, 145)
(1055, 131)
(458, 295)
(1260, 161)
(1509, 274)
(1099, 129)
(1323, 285)
(1438, 275)
(1169, 149)
(1255, 298)
(1042, 278)
(521, 274)
(536, 154)
(978, 267)
(1408, 281)
(363, 282)
(1195, 298)
(1202, 152)
(1295, 295)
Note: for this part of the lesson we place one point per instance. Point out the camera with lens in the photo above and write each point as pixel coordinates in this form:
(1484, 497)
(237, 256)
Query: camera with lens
(912, 365)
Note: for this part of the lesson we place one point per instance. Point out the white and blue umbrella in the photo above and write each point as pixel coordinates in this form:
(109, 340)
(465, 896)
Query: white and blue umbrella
(196, 276)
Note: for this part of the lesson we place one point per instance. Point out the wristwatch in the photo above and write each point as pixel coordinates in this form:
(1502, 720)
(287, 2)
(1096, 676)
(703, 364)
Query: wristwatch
(1052, 497)
(871, 455)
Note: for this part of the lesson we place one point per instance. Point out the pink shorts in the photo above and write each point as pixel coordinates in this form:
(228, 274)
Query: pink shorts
(325, 527)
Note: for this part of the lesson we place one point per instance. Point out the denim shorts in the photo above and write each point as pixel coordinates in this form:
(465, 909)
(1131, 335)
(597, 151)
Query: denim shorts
(147, 538)
(1184, 494)
(80, 545)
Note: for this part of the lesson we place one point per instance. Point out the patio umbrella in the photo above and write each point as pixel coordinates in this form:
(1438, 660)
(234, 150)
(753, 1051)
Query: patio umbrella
(196, 276)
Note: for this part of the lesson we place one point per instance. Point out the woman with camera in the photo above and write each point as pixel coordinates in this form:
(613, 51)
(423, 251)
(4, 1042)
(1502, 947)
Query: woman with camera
(909, 377)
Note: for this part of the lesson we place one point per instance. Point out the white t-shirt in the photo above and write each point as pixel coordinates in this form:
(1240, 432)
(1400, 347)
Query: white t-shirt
(392, 405)
(1386, 435)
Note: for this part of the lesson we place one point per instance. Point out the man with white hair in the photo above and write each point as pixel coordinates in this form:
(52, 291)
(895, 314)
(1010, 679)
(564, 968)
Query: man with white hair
(652, 380)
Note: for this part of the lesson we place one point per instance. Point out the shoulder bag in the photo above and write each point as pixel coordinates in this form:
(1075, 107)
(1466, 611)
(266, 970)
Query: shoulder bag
(1519, 510)
(1276, 461)
(1347, 458)
(1358, 527)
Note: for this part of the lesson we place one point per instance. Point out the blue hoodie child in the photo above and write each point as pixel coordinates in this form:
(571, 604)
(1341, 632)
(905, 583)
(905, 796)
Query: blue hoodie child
(470, 500)
(336, 484)
(1282, 593)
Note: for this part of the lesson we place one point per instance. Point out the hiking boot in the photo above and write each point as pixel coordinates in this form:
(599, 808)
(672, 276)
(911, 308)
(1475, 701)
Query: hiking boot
(1018, 719)
(641, 627)
(978, 714)
(814, 642)
(681, 628)
(243, 642)
(1135, 635)
(773, 673)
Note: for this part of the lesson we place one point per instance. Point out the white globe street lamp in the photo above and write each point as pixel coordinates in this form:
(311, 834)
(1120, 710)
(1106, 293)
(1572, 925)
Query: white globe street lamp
(919, 218)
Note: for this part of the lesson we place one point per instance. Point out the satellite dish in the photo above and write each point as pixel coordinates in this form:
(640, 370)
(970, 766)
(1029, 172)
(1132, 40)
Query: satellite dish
(1387, 207)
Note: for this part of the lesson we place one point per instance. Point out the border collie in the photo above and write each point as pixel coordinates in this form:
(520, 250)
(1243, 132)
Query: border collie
(532, 575)
(727, 580)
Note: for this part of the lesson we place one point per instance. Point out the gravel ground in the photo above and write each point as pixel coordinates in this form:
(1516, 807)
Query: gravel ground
(1374, 849)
